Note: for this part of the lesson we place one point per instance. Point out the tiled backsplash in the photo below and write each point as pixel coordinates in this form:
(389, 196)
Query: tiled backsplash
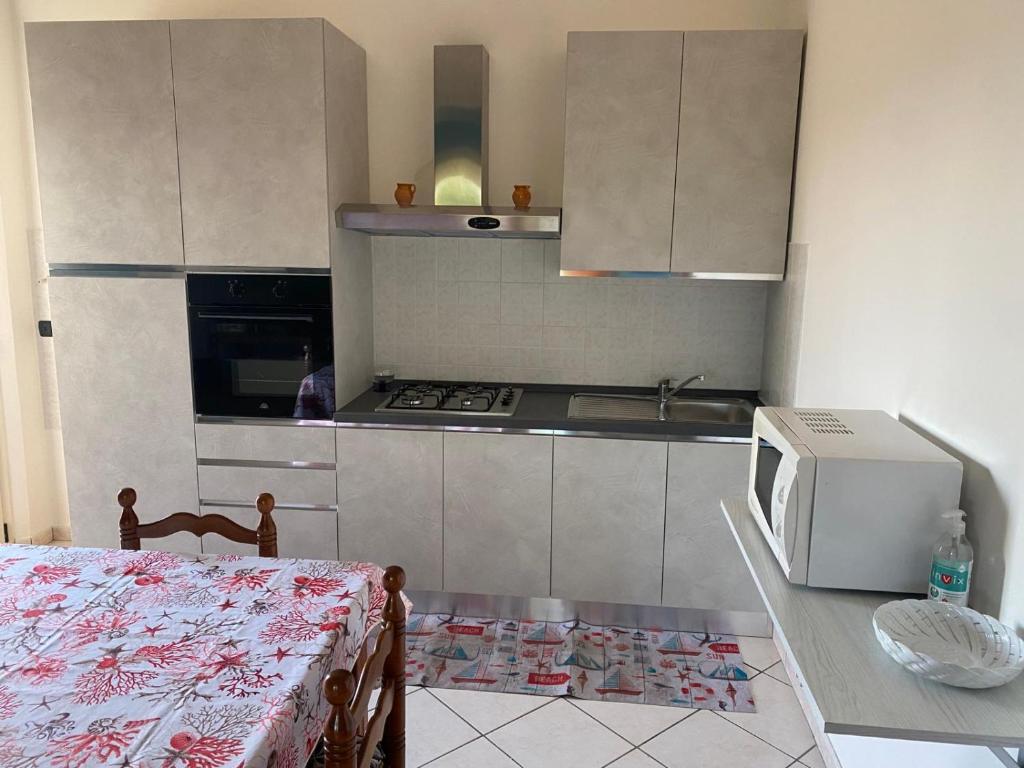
(497, 310)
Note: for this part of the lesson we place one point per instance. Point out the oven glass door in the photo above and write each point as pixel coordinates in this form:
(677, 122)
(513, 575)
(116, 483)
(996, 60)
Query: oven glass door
(262, 362)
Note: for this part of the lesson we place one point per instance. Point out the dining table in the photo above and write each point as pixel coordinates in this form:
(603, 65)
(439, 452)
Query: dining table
(150, 659)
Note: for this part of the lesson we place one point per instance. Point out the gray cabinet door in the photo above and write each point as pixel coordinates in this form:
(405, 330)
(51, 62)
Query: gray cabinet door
(249, 96)
(390, 501)
(103, 113)
(608, 520)
(497, 514)
(703, 566)
(737, 129)
(125, 403)
(621, 125)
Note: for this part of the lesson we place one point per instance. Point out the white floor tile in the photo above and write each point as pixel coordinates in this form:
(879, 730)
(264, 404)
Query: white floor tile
(476, 754)
(634, 722)
(707, 741)
(778, 671)
(635, 759)
(812, 759)
(758, 652)
(486, 711)
(778, 720)
(432, 729)
(558, 736)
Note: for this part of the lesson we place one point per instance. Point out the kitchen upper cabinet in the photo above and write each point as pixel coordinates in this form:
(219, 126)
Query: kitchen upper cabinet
(264, 145)
(390, 501)
(703, 567)
(103, 114)
(125, 403)
(497, 514)
(621, 123)
(608, 520)
(679, 151)
(737, 129)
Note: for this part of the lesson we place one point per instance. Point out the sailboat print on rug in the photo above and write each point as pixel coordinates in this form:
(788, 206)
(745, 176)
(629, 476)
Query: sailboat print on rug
(645, 665)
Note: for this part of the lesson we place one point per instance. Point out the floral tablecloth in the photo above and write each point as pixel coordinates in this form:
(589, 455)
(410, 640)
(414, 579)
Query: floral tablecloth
(158, 660)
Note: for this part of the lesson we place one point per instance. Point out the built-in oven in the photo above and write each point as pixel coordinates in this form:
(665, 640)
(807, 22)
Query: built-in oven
(261, 345)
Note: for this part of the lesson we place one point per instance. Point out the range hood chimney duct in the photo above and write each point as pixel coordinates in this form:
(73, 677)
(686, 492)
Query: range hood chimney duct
(461, 80)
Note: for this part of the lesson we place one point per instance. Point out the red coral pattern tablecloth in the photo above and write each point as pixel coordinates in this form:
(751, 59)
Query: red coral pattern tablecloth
(159, 660)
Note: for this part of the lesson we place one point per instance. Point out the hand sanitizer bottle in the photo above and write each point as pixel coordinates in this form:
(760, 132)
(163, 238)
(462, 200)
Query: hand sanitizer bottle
(952, 560)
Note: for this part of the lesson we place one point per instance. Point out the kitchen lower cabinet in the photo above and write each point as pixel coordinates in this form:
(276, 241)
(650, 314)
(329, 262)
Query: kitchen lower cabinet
(497, 514)
(390, 500)
(306, 533)
(608, 519)
(121, 347)
(703, 567)
(250, 442)
(307, 487)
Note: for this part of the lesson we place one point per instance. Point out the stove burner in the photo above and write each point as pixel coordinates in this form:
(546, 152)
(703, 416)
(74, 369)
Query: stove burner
(477, 398)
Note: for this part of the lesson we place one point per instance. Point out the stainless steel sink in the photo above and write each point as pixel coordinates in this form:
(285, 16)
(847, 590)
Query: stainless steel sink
(727, 410)
(724, 411)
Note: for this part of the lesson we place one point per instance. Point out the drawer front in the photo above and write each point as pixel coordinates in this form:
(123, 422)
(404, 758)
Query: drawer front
(307, 533)
(244, 442)
(288, 486)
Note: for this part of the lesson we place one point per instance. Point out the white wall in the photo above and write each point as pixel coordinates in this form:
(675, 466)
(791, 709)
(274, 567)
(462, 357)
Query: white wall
(32, 496)
(909, 194)
(526, 42)
(498, 310)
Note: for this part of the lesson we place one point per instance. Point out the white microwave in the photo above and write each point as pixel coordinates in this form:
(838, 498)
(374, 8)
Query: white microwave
(849, 499)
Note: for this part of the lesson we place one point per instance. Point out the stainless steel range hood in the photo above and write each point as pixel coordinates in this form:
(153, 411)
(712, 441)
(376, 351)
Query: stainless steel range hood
(460, 167)
(451, 221)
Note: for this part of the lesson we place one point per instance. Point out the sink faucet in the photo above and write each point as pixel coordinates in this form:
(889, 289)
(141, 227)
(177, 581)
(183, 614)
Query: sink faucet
(666, 392)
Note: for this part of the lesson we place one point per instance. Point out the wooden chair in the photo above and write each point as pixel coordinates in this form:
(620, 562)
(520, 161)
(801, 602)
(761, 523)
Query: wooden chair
(349, 738)
(264, 536)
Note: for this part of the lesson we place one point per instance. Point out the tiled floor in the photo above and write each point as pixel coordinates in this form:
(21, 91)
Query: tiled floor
(468, 729)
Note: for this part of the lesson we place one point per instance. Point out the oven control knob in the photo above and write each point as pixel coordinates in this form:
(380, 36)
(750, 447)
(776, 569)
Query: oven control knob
(236, 288)
(279, 289)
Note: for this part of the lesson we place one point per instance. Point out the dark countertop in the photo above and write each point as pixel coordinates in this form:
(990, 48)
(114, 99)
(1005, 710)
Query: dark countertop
(546, 407)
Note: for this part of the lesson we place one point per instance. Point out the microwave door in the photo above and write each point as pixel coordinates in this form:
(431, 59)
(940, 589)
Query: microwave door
(775, 490)
(785, 509)
(780, 490)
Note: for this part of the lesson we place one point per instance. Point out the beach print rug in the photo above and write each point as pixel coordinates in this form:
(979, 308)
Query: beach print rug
(647, 666)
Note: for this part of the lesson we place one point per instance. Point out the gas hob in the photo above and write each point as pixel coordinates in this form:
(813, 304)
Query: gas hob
(440, 397)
